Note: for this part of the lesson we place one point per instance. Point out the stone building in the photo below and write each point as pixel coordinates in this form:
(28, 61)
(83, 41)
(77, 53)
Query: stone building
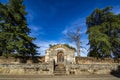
(60, 53)
(60, 60)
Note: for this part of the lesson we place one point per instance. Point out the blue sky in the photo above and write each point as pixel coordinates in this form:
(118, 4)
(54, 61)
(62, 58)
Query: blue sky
(49, 20)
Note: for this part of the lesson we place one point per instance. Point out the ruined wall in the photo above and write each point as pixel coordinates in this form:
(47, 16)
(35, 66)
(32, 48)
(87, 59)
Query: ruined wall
(41, 59)
(82, 66)
(26, 69)
(17, 60)
(92, 69)
(89, 65)
(52, 52)
(91, 60)
(47, 69)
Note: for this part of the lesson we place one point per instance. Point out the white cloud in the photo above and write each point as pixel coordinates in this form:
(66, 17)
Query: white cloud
(29, 17)
(77, 23)
(116, 9)
(73, 28)
(36, 30)
(44, 45)
(31, 14)
(84, 50)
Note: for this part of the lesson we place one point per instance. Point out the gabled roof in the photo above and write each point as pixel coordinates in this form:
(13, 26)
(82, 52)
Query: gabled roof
(65, 46)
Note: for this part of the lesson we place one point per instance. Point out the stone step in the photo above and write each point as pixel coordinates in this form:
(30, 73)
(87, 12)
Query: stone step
(59, 71)
(59, 68)
(59, 74)
(59, 64)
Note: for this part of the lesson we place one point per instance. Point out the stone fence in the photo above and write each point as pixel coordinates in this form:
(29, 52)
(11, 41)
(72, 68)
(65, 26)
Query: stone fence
(83, 65)
(47, 69)
(27, 59)
(91, 60)
(41, 59)
(26, 69)
(92, 69)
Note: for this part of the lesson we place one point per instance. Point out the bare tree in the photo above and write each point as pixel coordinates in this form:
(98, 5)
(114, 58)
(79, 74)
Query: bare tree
(75, 36)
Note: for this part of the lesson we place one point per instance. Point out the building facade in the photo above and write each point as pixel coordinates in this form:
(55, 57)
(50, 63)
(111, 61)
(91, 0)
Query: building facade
(60, 54)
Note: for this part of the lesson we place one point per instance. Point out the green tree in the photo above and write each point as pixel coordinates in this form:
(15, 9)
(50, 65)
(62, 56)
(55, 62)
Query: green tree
(4, 30)
(14, 30)
(103, 31)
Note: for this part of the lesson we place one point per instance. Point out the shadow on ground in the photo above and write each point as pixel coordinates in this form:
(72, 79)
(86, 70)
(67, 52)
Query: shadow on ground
(116, 73)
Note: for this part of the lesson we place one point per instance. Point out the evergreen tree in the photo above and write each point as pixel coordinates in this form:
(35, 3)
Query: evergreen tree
(4, 30)
(104, 33)
(15, 29)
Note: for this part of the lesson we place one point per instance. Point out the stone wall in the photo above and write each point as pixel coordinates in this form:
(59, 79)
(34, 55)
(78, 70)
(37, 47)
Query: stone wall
(52, 53)
(41, 59)
(47, 69)
(26, 69)
(17, 60)
(83, 66)
(91, 60)
(92, 69)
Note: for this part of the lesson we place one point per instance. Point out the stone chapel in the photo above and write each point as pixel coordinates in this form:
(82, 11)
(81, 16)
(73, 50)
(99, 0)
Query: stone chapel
(60, 53)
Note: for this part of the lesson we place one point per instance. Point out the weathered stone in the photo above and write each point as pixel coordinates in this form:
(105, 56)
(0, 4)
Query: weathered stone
(60, 53)
(28, 69)
(16, 71)
(4, 70)
(59, 59)
(92, 68)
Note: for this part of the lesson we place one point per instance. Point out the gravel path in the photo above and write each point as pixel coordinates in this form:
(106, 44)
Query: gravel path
(38, 77)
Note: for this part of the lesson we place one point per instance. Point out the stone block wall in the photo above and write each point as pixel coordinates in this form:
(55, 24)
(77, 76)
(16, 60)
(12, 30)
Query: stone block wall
(17, 60)
(91, 60)
(26, 69)
(47, 69)
(41, 59)
(92, 69)
(82, 66)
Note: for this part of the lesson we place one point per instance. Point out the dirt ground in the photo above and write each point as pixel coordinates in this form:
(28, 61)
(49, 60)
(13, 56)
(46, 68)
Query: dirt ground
(72, 77)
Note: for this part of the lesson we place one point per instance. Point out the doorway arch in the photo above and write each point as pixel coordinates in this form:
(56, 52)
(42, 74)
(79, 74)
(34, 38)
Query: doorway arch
(60, 57)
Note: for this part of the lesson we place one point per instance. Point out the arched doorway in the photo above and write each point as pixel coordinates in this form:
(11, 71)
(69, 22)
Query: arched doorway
(60, 57)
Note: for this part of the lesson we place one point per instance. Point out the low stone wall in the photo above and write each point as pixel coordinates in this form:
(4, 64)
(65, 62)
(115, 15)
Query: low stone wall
(92, 69)
(91, 60)
(17, 60)
(41, 59)
(47, 69)
(83, 65)
(26, 69)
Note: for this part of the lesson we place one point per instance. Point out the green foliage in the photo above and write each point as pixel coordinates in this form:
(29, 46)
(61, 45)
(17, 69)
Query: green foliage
(70, 47)
(104, 33)
(14, 32)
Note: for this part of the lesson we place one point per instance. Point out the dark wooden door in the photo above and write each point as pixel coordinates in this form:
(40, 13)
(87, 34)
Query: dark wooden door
(60, 57)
